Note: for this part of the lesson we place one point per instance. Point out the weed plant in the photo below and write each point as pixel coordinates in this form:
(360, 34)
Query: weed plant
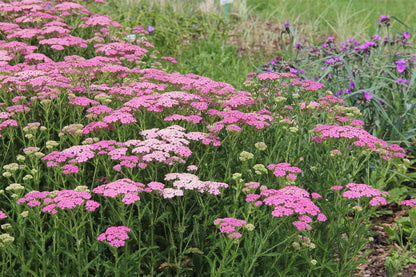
(111, 165)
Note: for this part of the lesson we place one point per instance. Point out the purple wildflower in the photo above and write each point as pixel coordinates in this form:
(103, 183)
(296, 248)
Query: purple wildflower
(150, 28)
(367, 95)
(401, 65)
(384, 20)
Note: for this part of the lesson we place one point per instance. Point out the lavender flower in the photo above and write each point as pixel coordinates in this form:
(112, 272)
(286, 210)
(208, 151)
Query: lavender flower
(150, 28)
(401, 65)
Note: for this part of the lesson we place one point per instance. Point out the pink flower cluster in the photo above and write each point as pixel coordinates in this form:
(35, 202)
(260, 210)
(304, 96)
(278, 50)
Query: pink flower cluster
(362, 190)
(285, 169)
(228, 225)
(190, 181)
(259, 119)
(237, 99)
(121, 50)
(64, 199)
(350, 121)
(307, 85)
(159, 102)
(6, 123)
(2, 215)
(410, 203)
(125, 187)
(274, 76)
(167, 146)
(115, 235)
(292, 200)
(33, 198)
(359, 137)
(171, 59)
(189, 118)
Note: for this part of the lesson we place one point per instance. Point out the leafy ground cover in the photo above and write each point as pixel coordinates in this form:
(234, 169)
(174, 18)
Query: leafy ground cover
(112, 162)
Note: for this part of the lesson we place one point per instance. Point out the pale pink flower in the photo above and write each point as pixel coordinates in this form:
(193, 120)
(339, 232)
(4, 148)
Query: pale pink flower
(192, 168)
(315, 195)
(336, 188)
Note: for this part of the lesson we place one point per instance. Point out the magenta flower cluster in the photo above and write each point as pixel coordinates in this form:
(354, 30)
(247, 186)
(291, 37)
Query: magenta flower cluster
(410, 203)
(64, 199)
(115, 235)
(285, 170)
(355, 191)
(288, 201)
(360, 138)
(2, 215)
(306, 85)
(228, 226)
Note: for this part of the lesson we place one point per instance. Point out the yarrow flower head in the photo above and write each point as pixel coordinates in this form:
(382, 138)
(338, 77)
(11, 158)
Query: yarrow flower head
(192, 168)
(293, 200)
(362, 190)
(245, 156)
(285, 170)
(228, 225)
(261, 146)
(410, 203)
(2, 215)
(188, 181)
(359, 138)
(115, 235)
(125, 187)
(259, 169)
(5, 239)
(64, 199)
(337, 188)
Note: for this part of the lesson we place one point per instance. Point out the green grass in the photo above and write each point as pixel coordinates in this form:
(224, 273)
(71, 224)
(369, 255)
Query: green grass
(254, 24)
(343, 18)
(218, 60)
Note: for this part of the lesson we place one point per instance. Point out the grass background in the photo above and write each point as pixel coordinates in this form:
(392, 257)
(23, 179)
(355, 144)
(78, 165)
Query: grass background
(250, 37)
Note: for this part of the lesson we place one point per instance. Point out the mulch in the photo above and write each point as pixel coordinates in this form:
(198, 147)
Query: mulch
(381, 246)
